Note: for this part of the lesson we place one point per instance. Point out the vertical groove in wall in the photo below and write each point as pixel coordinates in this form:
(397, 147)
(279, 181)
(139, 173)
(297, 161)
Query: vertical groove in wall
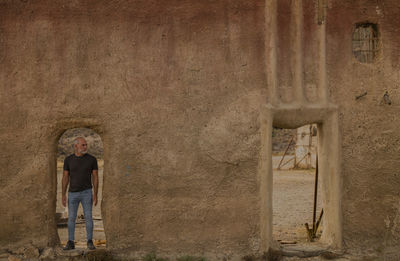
(297, 51)
(310, 52)
(322, 84)
(323, 88)
(284, 53)
(272, 45)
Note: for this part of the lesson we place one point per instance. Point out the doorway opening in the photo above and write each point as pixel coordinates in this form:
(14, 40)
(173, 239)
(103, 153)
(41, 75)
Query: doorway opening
(64, 149)
(297, 203)
(329, 173)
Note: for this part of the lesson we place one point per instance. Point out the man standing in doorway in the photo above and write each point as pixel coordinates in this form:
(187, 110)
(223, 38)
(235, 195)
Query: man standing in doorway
(81, 173)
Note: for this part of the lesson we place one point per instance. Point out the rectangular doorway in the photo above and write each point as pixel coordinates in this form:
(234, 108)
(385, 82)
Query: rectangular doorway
(329, 192)
(295, 194)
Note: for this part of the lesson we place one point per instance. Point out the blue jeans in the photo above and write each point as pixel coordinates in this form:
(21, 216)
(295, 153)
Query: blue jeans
(85, 198)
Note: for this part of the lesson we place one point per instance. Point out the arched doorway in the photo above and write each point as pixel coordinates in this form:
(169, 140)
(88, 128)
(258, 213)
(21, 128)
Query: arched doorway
(64, 149)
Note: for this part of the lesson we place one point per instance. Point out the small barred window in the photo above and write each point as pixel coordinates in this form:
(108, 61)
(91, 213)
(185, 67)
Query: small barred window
(365, 42)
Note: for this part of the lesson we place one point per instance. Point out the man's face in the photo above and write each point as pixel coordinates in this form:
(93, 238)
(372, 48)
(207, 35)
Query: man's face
(81, 147)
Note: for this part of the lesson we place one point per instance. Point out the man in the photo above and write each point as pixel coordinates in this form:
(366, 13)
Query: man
(81, 173)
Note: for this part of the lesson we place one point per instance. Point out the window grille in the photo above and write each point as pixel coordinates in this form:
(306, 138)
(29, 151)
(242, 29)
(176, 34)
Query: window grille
(365, 42)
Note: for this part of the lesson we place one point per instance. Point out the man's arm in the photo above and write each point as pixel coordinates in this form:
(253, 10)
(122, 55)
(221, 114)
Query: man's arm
(95, 181)
(65, 181)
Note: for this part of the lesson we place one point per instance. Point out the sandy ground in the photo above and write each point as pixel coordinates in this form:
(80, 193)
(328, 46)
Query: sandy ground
(80, 229)
(287, 162)
(293, 198)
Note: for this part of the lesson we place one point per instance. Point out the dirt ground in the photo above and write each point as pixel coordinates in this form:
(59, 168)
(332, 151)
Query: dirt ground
(80, 229)
(293, 198)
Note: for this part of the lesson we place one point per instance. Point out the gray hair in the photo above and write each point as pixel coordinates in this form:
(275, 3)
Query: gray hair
(76, 140)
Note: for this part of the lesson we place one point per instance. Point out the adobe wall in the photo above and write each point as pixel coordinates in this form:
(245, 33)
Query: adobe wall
(175, 92)
(369, 126)
(299, 69)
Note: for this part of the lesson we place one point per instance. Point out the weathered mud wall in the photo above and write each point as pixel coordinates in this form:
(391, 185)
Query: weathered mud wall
(174, 90)
(300, 66)
(369, 125)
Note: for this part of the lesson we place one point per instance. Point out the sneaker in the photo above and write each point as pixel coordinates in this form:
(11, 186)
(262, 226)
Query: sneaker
(90, 245)
(70, 245)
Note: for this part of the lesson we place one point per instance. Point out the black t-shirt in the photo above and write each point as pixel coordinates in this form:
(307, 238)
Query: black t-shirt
(80, 171)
